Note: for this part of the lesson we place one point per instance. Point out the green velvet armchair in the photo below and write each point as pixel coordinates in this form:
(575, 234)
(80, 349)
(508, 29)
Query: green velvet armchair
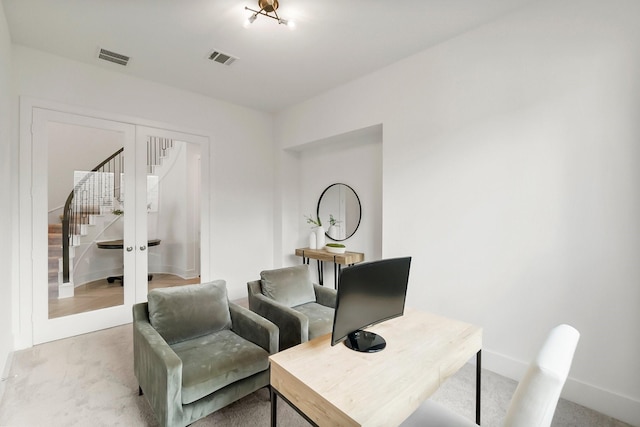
(302, 310)
(195, 352)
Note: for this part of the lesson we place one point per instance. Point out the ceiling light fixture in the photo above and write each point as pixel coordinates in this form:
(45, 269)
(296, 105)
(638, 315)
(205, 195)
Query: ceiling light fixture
(267, 7)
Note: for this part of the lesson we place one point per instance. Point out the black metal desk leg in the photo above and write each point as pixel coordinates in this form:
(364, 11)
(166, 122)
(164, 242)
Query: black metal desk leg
(478, 384)
(274, 407)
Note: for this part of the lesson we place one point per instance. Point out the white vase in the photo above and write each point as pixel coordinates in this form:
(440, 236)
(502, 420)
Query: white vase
(312, 240)
(332, 232)
(320, 239)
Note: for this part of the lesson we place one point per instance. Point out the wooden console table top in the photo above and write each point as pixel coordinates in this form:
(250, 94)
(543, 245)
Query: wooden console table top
(347, 258)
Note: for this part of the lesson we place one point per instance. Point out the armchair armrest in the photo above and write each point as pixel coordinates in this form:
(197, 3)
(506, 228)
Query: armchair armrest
(157, 368)
(254, 328)
(293, 326)
(325, 296)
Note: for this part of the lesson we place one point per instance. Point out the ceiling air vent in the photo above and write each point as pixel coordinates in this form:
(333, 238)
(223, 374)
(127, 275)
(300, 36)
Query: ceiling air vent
(116, 58)
(222, 58)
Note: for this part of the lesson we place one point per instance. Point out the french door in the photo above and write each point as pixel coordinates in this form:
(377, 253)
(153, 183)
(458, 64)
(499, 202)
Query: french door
(118, 227)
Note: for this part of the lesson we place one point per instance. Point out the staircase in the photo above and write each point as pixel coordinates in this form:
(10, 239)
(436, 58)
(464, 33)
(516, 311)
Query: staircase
(89, 210)
(55, 254)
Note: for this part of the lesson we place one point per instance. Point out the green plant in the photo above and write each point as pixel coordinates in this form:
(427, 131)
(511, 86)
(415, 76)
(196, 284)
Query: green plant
(333, 221)
(335, 245)
(314, 222)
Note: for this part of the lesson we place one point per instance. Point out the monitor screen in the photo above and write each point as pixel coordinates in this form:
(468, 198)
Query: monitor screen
(369, 293)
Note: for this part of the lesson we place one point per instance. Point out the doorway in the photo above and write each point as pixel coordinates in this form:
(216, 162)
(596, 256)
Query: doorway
(137, 218)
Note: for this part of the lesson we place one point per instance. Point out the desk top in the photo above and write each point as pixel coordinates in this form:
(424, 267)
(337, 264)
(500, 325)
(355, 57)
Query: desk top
(346, 258)
(119, 244)
(340, 387)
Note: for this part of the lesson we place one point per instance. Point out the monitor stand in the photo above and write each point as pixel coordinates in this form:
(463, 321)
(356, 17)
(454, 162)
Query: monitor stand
(365, 342)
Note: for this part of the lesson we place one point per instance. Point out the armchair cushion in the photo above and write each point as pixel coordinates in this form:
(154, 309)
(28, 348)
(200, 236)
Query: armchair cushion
(320, 318)
(290, 286)
(213, 361)
(184, 312)
(299, 323)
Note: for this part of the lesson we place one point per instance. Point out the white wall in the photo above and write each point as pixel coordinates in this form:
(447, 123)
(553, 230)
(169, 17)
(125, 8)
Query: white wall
(6, 176)
(510, 174)
(177, 215)
(89, 146)
(239, 183)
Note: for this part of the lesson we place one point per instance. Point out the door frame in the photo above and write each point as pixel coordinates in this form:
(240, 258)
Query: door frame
(33, 249)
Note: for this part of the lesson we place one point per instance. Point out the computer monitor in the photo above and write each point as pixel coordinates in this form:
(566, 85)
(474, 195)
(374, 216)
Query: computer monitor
(369, 293)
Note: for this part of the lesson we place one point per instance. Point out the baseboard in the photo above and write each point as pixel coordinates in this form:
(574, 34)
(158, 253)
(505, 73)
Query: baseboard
(610, 403)
(5, 373)
(623, 408)
(176, 271)
(115, 272)
(92, 276)
(65, 290)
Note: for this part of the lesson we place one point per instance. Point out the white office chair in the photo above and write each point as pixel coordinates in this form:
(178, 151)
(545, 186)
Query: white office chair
(534, 401)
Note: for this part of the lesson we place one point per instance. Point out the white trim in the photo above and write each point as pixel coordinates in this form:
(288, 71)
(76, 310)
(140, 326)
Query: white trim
(5, 373)
(99, 114)
(23, 288)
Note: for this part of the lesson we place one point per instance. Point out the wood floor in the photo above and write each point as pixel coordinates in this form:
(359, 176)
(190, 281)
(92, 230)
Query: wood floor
(101, 294)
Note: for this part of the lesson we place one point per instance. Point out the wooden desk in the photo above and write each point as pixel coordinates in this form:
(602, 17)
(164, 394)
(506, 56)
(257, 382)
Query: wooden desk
(338, 260)
(336, 386)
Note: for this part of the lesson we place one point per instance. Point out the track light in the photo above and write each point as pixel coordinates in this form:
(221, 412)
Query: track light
(267, 8)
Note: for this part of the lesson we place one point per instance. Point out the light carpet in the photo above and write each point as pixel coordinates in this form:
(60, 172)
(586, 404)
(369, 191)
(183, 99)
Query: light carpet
(88, 380)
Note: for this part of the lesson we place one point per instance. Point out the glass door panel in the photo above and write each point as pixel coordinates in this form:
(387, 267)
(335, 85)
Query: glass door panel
(173, 207)
(82, 167)
(85, 222)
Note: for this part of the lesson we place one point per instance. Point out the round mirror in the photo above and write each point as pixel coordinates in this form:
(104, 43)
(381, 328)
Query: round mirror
(339, 211)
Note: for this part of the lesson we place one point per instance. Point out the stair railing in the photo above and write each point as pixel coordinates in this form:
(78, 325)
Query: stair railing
(76, 212)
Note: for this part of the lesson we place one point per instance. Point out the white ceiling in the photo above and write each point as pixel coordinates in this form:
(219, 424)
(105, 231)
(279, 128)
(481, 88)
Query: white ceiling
(334, 41)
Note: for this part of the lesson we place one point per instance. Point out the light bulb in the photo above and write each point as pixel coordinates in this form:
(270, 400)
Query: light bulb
(250, 20)
(289, 23)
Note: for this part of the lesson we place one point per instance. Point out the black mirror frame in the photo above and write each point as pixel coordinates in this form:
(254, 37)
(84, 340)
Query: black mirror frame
(359, 214)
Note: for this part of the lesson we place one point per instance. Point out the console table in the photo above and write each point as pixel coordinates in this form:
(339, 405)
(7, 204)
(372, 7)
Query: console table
(338, 260)
(119, 244)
